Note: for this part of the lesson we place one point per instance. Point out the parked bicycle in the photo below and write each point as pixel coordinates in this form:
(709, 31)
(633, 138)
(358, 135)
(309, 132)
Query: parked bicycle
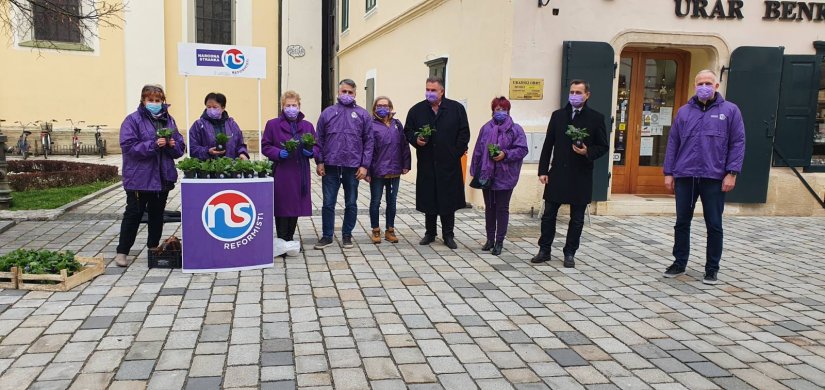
(99, 144)
(76, 137)
(46, 137)
(23, 141)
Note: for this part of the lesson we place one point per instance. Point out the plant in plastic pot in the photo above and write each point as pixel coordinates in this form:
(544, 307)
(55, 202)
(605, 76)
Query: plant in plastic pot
(189, 166)
(493, 150)
(244, 168)
(308, 140)
(425, 132)
(164, 133)
(290, 145)
(205, 169)
(221, 139)
(223, 168)
(577, 135)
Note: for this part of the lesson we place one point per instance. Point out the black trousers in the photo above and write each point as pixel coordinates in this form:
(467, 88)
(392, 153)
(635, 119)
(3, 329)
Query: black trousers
(447, 224)
(574, 228)
(138, 202)
(285, 227)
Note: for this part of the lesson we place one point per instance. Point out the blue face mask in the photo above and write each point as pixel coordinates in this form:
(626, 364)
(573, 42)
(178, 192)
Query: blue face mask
(500, 116)
(382, 112)
(154, 108)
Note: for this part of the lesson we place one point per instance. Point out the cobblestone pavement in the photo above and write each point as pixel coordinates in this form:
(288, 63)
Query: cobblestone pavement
(406, 316)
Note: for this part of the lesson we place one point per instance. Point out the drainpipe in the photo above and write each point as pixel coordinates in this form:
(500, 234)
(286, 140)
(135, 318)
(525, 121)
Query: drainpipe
(280, 47)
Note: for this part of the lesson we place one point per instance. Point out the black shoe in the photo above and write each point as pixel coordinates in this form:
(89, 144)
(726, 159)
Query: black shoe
(569, 261)
(487, 246)
(347, 242)
(541, 257)
(323, 243)
(427, 239)
(710, 278)
(450, 243)
(499, 245)
(674, 270)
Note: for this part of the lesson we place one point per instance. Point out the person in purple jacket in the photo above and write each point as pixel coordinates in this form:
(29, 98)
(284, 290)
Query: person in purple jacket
(291, 169)
(390, 159)
(705, 150)
(503, 168)
(346, 144)
(215, 120)
(148, 168)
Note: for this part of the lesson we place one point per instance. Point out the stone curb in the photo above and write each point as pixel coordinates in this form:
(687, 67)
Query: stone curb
(51, 215)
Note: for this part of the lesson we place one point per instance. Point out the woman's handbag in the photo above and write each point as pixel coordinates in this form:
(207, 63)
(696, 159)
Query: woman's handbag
(479, 183)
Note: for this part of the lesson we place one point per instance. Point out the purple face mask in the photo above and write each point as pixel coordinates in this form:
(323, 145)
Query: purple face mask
(500, 116)
(576, 100)
(431, 97)
(705, 92)
(291, 112)
(346, 99)
(214, 113)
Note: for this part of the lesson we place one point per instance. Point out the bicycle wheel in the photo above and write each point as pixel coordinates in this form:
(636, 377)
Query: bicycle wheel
(25, 151)
(100, 148)
(76, 150)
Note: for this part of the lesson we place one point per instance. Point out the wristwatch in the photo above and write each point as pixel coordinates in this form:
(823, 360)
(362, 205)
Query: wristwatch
(733, 173)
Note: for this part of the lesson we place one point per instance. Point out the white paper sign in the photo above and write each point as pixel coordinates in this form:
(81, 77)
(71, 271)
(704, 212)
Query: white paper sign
(646, 148)
(665, 115)
(199, 59)
(656, 129)
(646, 130)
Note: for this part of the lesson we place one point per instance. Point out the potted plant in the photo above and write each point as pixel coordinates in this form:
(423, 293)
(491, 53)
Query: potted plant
(244, 168)
(222, 168)
(262, 168)
(577, 135)
(164, 133)
(493, 150)
(204, 169)
(189, 166)
(221, 139)
(308, 140)
(290, 145)
(425, 132)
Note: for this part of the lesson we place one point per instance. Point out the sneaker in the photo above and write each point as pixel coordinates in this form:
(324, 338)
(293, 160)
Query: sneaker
(323, 243)
(376, 235)
(347, 242)
(710, 278)
(674, 270)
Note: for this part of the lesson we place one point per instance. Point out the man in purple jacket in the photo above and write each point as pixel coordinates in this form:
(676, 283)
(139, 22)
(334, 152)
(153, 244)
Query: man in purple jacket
(345, 141)
(705, 150)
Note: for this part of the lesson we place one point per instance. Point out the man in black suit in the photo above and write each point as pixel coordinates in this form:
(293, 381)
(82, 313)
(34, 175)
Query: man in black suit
(570, 178)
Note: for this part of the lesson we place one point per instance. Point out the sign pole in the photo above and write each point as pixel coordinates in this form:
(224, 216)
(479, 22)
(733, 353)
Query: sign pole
(186, 92)
(260, 125)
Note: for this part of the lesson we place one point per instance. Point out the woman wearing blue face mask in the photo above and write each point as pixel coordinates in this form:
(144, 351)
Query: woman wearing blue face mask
(215, 120)
(497, 156)
(148, 168)
(390, 159)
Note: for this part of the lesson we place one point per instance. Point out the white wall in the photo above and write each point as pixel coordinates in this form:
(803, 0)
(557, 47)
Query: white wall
(302, 26)
(143, 62)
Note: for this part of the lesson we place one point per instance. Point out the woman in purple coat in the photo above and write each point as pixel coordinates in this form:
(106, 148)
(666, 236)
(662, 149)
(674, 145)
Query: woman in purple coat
(291, 169)
(390, 160)
(215, 120)
(503, 168)
(148, 168)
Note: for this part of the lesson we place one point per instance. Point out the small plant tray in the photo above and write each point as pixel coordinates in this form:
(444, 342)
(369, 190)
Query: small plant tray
(93, 266)
(9, 279)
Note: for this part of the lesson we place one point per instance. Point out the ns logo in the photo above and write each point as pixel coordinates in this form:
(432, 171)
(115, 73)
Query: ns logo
(228, 215)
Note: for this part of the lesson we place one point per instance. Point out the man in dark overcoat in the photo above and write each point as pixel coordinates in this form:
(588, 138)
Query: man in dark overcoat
(569, 180)
(439, 190)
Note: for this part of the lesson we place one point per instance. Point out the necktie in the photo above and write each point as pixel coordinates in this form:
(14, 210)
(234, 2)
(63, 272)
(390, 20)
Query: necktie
(575, 113)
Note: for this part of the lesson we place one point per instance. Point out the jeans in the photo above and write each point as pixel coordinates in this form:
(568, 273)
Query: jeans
(447, 224)
(138, 202)
(333, 180)
(713, 204)
(377, 186)
(285, 227)
(574, 228)
(496, 213)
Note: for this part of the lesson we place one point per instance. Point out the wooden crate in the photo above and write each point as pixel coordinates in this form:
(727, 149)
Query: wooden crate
(93, 266)
(9, 279)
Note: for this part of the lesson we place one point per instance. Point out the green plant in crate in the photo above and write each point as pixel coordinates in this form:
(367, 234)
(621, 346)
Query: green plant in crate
(308, 140)
(221, 139)
(577, 135)
(40, 262)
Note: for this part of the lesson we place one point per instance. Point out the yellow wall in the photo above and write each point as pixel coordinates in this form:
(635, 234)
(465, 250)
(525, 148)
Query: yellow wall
(475, 44)
(47, 84)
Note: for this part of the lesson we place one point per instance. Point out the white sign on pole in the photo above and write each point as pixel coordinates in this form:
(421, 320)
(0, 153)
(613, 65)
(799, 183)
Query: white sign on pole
(200, 59)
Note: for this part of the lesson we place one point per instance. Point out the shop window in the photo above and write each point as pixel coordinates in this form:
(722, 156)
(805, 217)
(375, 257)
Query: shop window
(818, 156)
(344, 15)
(371, 4)
(56, 21)
(214, 21)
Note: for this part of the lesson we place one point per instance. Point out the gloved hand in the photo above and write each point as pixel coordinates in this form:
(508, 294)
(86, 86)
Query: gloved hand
(284, 154)
(307, 153)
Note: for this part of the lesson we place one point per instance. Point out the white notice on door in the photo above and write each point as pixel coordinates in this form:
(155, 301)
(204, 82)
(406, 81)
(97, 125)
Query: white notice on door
(646, 148)
(665, 115)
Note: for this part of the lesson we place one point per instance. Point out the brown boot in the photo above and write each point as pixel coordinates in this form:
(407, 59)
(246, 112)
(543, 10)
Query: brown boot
(376, 235)
(389, 235)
